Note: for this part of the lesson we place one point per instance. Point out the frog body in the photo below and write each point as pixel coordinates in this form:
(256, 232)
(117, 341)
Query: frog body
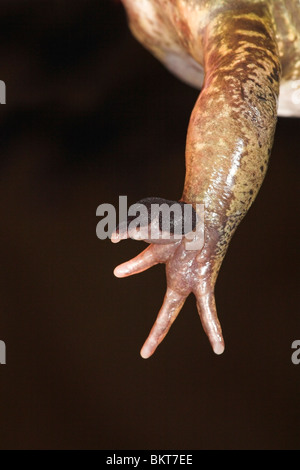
(172, 30)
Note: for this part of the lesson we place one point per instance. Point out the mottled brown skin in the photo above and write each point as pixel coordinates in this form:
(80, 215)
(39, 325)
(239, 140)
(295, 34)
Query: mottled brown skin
(230, 134)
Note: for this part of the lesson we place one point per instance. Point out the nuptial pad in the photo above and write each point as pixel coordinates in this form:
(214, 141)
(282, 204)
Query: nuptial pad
(157, 220)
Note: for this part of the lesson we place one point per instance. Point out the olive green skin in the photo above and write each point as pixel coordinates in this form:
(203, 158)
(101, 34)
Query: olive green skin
(239, 53)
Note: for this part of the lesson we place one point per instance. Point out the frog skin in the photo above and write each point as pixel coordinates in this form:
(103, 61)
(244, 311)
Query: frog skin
(241, 54)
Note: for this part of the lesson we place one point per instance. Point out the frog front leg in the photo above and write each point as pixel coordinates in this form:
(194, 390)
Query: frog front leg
(229, 141)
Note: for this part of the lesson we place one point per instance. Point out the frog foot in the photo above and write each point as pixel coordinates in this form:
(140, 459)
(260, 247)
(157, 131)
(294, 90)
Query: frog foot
(187, 271)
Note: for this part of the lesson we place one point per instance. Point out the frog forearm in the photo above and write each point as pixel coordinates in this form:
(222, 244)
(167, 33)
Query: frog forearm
(232, 126)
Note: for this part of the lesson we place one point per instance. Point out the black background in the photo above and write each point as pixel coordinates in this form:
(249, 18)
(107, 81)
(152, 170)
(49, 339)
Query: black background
(91, 115)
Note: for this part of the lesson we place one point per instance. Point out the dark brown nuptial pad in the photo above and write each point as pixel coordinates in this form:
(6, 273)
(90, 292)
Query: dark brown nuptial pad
(157, 220)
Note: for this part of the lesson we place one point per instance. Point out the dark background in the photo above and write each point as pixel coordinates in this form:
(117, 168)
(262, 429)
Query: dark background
(91, 115)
